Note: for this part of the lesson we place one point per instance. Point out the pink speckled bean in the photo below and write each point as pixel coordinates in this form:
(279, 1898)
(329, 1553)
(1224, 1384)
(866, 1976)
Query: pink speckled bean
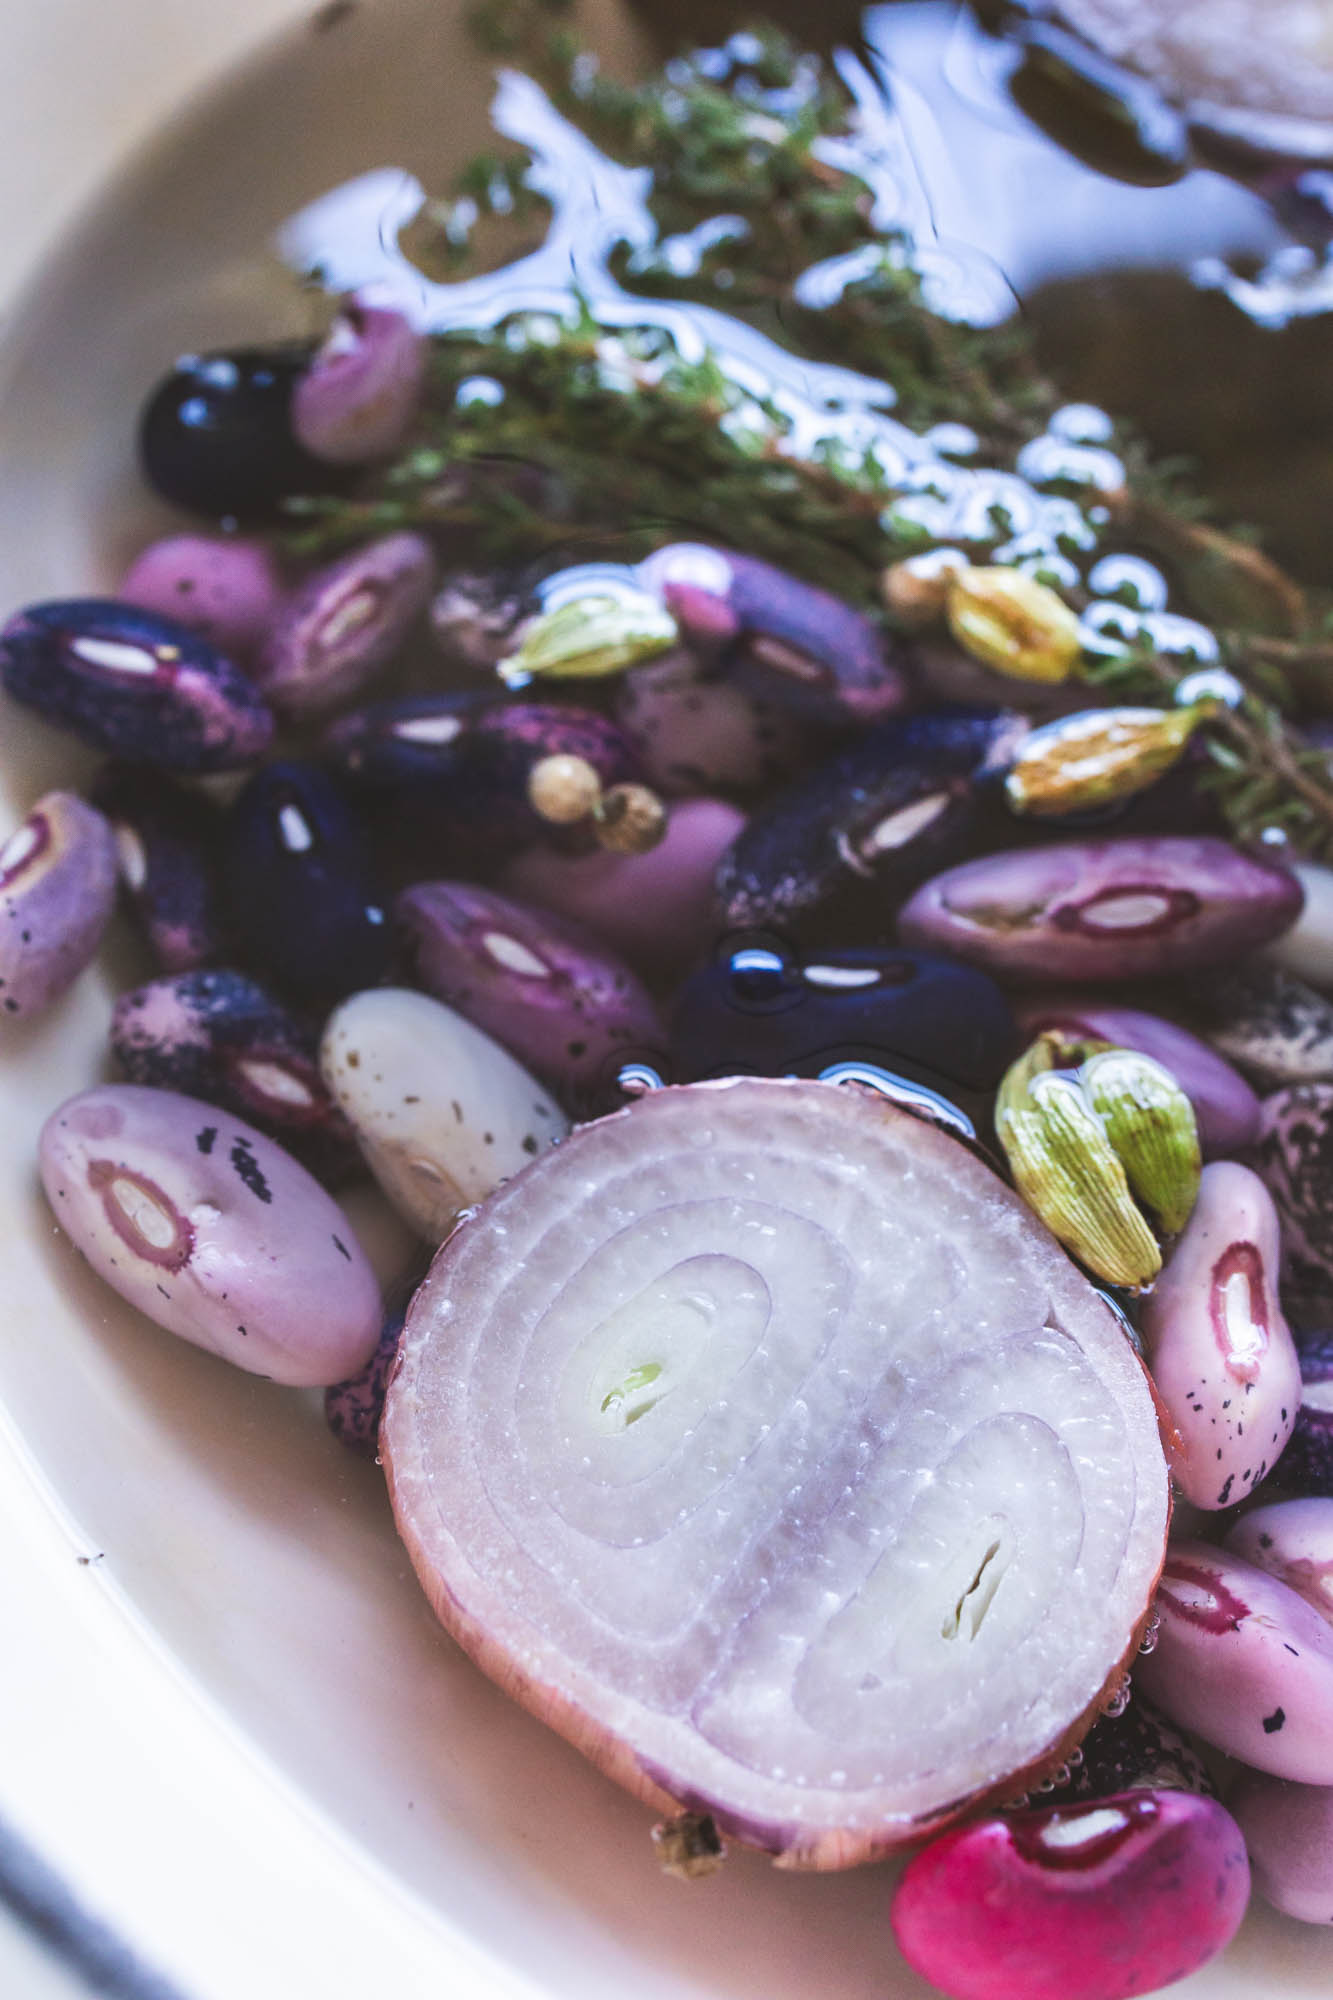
(1219, 1349)
(213, 1231)
(1288, 1830)
(1243, 1662)
(57, 892)
(1293, 1541)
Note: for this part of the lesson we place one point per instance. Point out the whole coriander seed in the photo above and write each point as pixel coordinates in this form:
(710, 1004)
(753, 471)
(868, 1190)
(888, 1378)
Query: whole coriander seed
(564, 789)
(629, 819)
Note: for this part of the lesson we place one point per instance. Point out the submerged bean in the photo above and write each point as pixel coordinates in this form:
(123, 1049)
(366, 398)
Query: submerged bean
(1307, 1463)
(134, 683)
(359, 396)
(1273, 1027)
(443, 1113)
(1108, 909)
(352, 1409)
(549, 991)
(696, 731)
(1288, 1831)
(57, 892)
(1218, 1347)
(211, 1230)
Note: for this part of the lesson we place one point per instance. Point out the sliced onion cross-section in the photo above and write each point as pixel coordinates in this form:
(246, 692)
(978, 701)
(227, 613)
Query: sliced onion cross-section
(762, 1442)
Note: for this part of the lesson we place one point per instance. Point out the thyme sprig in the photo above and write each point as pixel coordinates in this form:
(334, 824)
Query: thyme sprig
(614, 442)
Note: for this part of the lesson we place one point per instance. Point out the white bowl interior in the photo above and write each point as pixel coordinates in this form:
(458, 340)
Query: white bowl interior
(237, 1533)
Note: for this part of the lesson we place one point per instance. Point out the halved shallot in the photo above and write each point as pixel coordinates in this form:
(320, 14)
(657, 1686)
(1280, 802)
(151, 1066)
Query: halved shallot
(763, 1443)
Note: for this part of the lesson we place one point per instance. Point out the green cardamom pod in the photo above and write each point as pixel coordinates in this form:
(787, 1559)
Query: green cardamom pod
(1097, 756)
(1151, 1125)
(1013, 623)
(589, 636)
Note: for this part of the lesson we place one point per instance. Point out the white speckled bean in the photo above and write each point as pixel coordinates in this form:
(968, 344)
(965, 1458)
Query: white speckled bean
(443, 1113)
(1293, 1541)
(1243, 1662)
(1307, 948)
(1288, 1830)
(57, 891)
(213, 1231)
(1218, 1346)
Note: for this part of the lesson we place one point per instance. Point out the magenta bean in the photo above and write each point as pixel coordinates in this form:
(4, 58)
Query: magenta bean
(1293, 1541)
(1295, 1158)
(1225, 1107)
(655, 908)
(1095, 1901)
(1219, 1349)
(166, 841)
(1104, 909)
(212, 1231)
(134, 683)
(360, 395)
(223, 587)
(790, 642)
(344, 623)
(1243, 1662)
(695, 730)
(57, 892)
(548, 990)
(1288, 1830)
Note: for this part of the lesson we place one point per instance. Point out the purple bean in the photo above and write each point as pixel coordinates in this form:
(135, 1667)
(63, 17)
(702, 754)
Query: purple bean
(167, 842)
(57, 892)
(223, 587)
(359, 397)
(696, 731)
(344, 623)
(1226, 1108)
(546, 989)
(1104, 910)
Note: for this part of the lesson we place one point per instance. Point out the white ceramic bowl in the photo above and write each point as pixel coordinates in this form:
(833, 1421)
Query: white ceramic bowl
(227, 1717)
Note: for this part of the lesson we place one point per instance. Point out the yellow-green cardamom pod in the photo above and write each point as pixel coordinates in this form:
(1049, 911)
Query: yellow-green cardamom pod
(1099, 755)
(1067, 1169)
(1013, 623)
(584, 637)
(1151, 1124)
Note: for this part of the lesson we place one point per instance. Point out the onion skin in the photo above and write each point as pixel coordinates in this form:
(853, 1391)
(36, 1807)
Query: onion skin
(688, 1757)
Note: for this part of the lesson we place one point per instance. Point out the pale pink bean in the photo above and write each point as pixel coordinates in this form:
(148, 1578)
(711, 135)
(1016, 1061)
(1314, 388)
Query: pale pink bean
(1293, 1541)
(223, 587)
(1288, 1830)
(1243, 1662)
(1219, 1349)
(655, 908)
(1095, 1901)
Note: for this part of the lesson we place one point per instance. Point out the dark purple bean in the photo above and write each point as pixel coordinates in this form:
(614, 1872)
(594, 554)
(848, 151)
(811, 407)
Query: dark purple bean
(134, 683)
(216, 434)
(834, 854)
(299, 886)
(1134, 1750)
(696, 730)
(1108, 910)
(57, 891)
(344, 624)
(360, 394)
(757, 1010)
(352, 1409)
(1295, 1159)
(218, 1036)
(223, 587)
(793, 643)
(1306, 1466)
(166, 840)
(1226, 1108)
(417, 739)
(553, 994)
